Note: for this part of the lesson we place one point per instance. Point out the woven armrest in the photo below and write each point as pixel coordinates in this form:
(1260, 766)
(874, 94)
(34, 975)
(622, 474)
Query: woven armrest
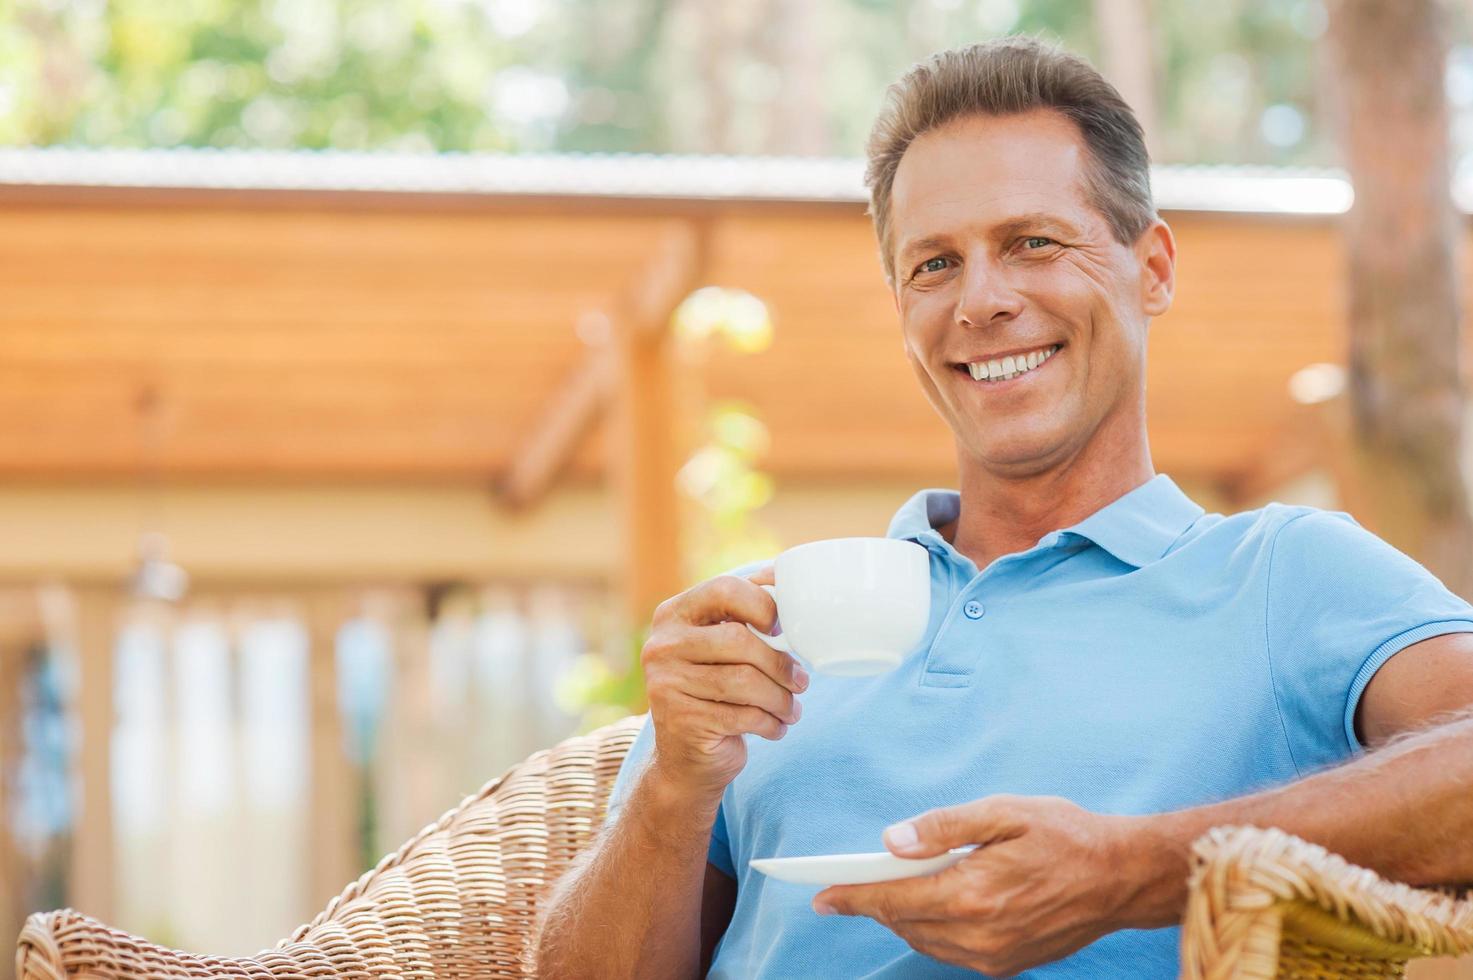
(1264, 904)
(458, 900)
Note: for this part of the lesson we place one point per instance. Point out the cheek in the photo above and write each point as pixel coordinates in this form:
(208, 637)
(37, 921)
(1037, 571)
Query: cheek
(1063, 295)
(1090, 316)
(922, 329)
(930, 385)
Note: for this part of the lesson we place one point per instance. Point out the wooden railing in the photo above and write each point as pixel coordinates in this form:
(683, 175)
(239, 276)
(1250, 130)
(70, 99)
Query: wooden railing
(233, 760)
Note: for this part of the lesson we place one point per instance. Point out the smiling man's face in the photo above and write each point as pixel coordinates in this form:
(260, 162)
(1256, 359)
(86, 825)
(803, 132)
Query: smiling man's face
(999, 252)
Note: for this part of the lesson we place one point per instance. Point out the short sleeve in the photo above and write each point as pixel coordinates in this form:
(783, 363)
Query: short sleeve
(1341, 602)
(629, 770)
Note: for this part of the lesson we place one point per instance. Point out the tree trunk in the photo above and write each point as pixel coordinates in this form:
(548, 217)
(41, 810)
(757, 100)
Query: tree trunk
(794, 40)
(719, 39)
(1406, 393)
(1128, 59)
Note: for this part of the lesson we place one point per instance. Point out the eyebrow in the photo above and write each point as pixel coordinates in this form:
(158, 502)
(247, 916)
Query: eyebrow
(1042, 220)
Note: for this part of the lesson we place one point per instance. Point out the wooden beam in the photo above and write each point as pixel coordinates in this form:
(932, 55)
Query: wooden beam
(645, 462)
(563, 425)
(326, 534)
(669, 277)
(643, 311)
(91, 884)
(646, 451)
(454, 398)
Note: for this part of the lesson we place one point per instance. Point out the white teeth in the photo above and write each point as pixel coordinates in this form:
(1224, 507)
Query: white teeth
(1009, 367)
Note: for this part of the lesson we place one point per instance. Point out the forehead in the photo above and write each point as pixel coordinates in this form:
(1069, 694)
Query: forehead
(981, 171)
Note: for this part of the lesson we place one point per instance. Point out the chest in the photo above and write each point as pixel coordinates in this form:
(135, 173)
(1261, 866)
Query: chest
(1123, 704)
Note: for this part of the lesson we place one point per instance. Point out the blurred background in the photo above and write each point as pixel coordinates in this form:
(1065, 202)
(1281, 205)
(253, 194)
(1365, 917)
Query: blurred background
(369, 369)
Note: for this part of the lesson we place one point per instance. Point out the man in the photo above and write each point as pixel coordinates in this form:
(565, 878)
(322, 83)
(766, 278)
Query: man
(1108, 671)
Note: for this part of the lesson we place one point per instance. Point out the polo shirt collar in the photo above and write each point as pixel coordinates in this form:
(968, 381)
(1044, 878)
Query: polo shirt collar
(923, 513)
(1140, 526)
(1136, 528)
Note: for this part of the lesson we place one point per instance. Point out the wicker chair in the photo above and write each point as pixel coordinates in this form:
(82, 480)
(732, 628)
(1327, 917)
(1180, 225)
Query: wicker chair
(1265, 904)
(460, 899)
(456, 901)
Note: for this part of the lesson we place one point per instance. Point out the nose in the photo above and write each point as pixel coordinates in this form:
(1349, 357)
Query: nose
(987, 296)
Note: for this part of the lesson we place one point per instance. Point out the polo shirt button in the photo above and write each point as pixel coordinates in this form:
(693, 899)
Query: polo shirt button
(973, 609)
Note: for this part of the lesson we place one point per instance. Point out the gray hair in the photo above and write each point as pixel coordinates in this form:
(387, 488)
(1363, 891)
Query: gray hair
(1003, 77)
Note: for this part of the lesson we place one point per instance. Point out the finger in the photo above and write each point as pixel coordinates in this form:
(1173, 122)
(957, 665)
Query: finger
(736, 719)
(741, 684)
(725, 598)
(733, 643)
(763, 576)
(928, 898)
(983, 821)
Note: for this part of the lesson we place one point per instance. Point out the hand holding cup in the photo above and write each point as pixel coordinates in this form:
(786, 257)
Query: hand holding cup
(710, 681)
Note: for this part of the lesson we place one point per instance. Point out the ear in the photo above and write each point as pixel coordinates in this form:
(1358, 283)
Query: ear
(1156, 250)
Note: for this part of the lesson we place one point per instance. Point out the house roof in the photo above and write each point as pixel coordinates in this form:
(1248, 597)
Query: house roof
(716, 178)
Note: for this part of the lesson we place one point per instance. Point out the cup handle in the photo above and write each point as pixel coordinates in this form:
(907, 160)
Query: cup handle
(779, 642)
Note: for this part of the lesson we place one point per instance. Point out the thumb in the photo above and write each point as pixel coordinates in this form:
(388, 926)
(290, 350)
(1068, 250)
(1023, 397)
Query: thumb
(938, 831)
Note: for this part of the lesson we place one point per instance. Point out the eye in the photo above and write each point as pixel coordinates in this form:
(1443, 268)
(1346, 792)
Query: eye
(932, 265)
(1036, 242)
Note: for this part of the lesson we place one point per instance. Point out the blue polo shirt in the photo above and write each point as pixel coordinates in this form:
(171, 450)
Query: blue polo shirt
(1151, 657)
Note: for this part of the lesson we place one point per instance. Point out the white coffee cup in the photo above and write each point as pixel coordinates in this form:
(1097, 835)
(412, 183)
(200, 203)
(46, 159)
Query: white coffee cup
(851, 606)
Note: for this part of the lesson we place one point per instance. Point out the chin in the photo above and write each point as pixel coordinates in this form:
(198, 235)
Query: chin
(1021, 457)
(1012, 450)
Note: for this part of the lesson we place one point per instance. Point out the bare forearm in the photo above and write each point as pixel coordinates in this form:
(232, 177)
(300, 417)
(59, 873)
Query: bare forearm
(1404, 811)
(633, 910)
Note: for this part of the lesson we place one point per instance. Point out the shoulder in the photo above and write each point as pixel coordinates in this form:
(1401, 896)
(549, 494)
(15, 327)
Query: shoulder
(1294, 546)
(1331, 541)
(1275, 526)
(1255, 535)
(1296, 528)
(1324, 558)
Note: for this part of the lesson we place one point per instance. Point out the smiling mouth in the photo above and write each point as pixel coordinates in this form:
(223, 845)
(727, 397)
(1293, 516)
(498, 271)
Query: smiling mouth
(1008, 368)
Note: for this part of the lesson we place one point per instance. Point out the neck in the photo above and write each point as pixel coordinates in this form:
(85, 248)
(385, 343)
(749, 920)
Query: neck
(1004, 511)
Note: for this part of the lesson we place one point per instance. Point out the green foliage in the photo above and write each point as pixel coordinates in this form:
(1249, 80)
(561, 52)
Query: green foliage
(619, 105)
(1237, 81)
(602, 689)
(1223, 66)
(721, 482)
(350, 74)
(725, 489)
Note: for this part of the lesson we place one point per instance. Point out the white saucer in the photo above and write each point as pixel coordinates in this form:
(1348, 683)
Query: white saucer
(855, 869)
